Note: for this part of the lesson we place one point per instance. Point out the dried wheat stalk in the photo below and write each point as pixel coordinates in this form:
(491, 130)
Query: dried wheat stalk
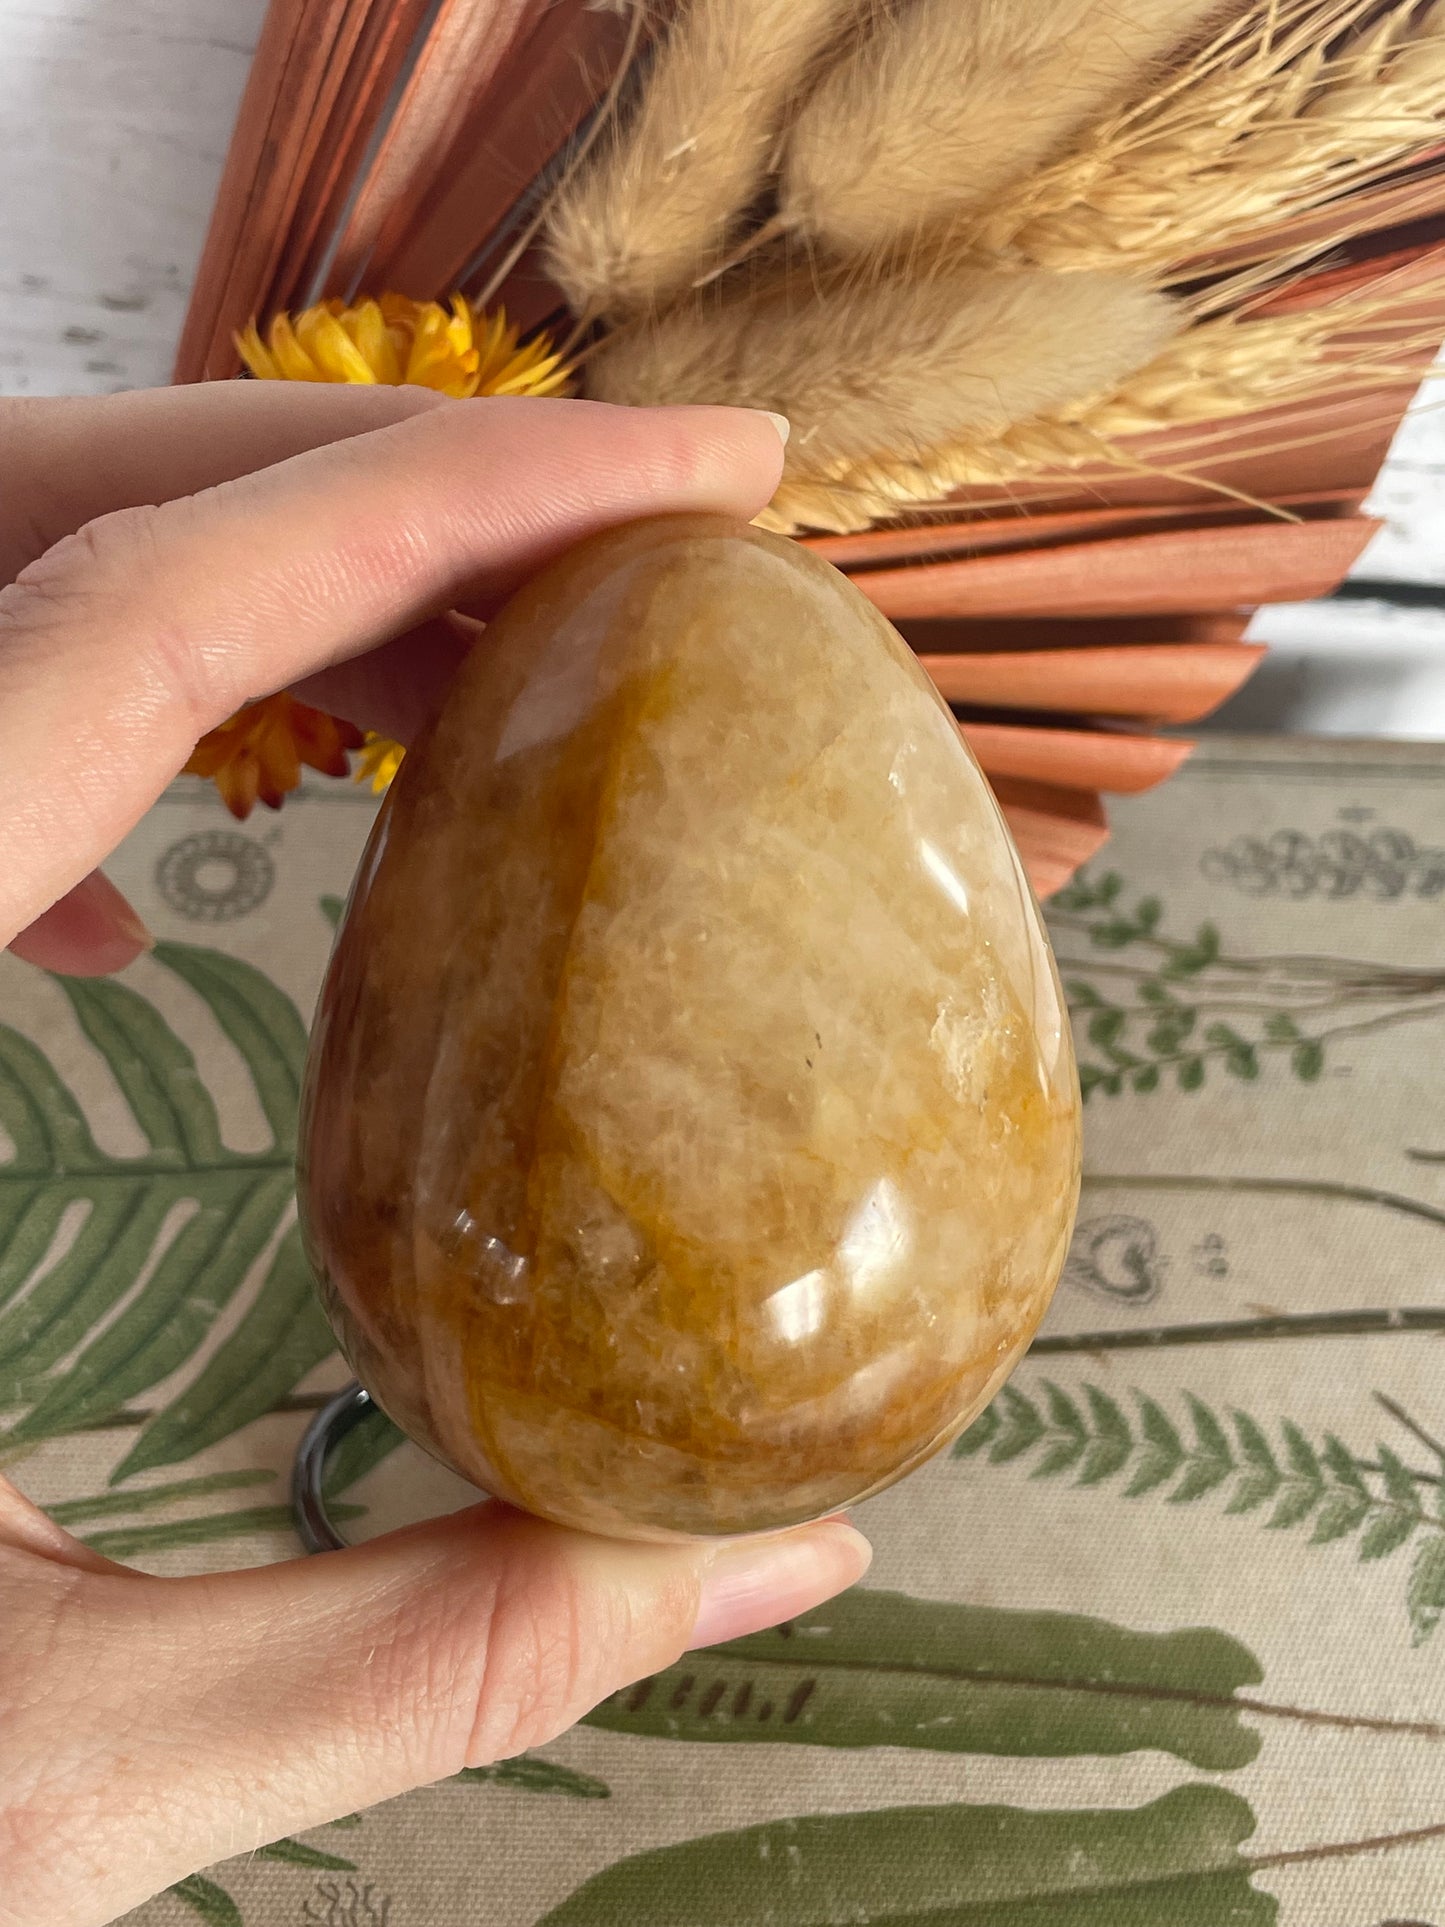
(658, 206)
(1214, 372)
(945, 103)
(1300, 106)
(902, 366)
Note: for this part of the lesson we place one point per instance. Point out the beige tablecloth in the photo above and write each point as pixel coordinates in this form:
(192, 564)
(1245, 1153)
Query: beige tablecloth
(1157, 1646)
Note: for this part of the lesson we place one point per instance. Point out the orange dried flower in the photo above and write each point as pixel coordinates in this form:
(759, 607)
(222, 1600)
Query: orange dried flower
(257, 756)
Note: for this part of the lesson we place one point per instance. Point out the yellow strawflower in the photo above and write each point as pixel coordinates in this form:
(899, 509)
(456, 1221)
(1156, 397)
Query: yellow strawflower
(395, 342)
(391, 343)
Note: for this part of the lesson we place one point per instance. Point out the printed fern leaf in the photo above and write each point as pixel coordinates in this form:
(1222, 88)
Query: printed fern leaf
(1170, 1010)
(174, 1237)
(1383, 1506)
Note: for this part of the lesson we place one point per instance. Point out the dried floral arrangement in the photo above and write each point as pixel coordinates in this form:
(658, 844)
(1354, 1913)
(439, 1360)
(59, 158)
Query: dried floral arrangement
(1093, 318)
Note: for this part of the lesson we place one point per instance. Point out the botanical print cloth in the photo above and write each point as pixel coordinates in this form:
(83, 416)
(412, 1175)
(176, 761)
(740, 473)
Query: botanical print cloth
(1157, 1645)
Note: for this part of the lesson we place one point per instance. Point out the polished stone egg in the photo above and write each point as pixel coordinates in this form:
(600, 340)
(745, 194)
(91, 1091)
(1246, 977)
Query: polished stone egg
(691, 1137)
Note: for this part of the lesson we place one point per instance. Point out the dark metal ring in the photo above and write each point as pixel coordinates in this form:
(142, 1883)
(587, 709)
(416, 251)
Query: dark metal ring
(330, 1426)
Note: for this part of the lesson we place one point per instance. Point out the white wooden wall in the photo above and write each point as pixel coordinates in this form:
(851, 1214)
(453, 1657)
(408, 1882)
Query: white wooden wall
(114, 119)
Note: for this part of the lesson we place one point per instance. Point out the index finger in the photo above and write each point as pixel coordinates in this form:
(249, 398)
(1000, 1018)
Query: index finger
(127, 642)
(69, 459)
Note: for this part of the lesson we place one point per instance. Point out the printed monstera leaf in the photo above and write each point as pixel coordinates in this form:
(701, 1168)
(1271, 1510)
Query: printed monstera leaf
(114, 1271)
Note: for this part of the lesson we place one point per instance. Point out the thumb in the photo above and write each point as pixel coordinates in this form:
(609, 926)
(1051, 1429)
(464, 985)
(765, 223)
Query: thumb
(89, 932)
(182, 1721)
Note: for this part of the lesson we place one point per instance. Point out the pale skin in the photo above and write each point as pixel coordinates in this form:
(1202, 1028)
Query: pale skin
(165, 558)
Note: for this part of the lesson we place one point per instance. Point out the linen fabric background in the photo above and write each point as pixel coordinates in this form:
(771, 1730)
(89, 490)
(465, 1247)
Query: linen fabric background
(1158, 1645)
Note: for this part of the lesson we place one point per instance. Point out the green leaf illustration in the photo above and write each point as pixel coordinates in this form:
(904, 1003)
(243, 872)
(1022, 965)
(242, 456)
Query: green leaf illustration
(1212, 1460)
(260, 1020)
(1112, 1442)
(1019, 1428)
(1067, 1421)
(530, 1775)
(296, 1853)
(1104, 1028)
(1425, 1595)
(1399, 1481)
(1162, 1452)
(105, 1505)
(1175, 1861)
(172, 1236)
(1282, 1485)
(214, 1905)
(1176, 1023)
(880, 1669)
(1188, 959)
(129, 1542)
(1167, 1002)
(1342, 1466)
(1339, 1516)
(1260, 1476)
(1308, 1062)
(1302, 1455)
(283, 1337)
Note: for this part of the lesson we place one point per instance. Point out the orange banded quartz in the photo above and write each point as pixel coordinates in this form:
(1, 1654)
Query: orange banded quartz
(691, 1137)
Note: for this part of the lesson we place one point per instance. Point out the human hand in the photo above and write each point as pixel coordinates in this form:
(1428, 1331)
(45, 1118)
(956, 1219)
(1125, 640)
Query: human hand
(309, 536)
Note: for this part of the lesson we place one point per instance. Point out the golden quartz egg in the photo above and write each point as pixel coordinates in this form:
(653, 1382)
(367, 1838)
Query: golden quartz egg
(691, 1138)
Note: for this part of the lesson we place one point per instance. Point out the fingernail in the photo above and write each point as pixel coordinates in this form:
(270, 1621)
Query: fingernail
(130, 925)
(756, 1583)
(110, 912)
(780, 422)
(91, 932)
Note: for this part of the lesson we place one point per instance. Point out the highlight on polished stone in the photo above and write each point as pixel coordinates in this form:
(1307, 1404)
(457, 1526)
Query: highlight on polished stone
(692, 1128)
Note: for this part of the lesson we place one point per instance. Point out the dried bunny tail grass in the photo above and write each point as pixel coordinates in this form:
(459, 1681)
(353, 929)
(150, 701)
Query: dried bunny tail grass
(946, 103)
(1214, 373)
(893, 368)
(1299, 106)
(657, 207)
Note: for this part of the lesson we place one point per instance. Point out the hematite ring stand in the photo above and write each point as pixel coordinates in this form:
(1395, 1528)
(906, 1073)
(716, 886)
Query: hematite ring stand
(330, 1426)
